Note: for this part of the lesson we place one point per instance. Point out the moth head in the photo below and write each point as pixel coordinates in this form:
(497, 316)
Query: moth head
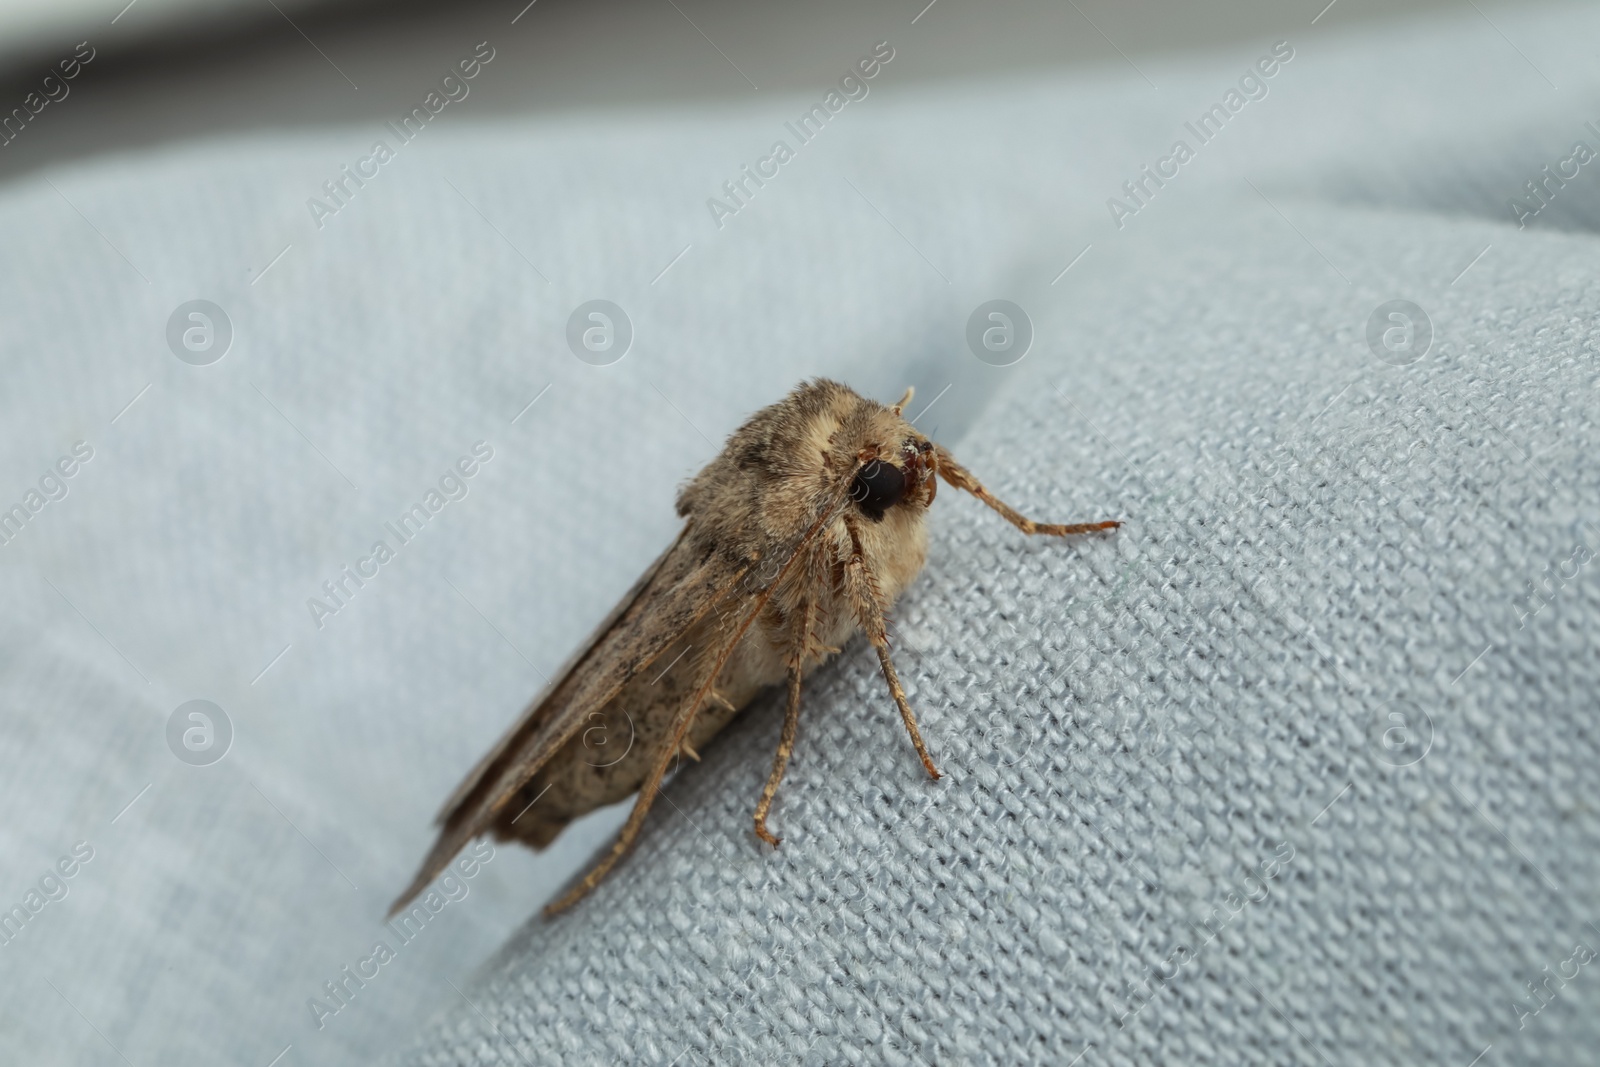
(822, 445)
(895, 467)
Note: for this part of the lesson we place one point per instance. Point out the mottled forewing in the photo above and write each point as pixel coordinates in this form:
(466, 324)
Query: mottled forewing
(681, 586)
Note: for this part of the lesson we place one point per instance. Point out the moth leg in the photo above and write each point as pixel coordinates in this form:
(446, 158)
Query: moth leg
(670, 750)
(780, 761)
(680, 730)
(961, 478)
(862, 588)
(791, 723)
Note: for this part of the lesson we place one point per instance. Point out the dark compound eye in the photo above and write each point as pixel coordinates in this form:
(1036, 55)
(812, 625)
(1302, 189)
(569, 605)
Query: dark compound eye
(878, 486)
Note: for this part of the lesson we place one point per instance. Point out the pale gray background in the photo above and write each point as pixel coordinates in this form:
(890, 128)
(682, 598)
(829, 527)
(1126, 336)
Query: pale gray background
(1221, 329)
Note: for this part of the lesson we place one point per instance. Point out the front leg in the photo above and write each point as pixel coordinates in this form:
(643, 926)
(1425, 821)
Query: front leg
(961, 478)
(861, 586)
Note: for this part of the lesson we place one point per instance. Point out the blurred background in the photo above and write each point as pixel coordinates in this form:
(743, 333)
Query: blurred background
(170, 70)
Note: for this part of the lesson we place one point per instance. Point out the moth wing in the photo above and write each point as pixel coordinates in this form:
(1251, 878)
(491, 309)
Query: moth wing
(540, 709)
(678, 588)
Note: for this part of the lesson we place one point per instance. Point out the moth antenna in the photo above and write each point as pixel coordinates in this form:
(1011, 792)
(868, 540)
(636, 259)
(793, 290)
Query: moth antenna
(901, 406)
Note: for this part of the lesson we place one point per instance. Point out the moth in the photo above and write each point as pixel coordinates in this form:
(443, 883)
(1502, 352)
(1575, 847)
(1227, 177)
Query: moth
(801, 532)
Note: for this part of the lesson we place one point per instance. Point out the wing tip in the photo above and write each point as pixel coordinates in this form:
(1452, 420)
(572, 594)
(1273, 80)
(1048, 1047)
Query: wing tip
(410, 893)
(444, 850)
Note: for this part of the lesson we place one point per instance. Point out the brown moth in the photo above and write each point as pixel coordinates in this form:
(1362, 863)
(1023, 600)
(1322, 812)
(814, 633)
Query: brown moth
(803, 530)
